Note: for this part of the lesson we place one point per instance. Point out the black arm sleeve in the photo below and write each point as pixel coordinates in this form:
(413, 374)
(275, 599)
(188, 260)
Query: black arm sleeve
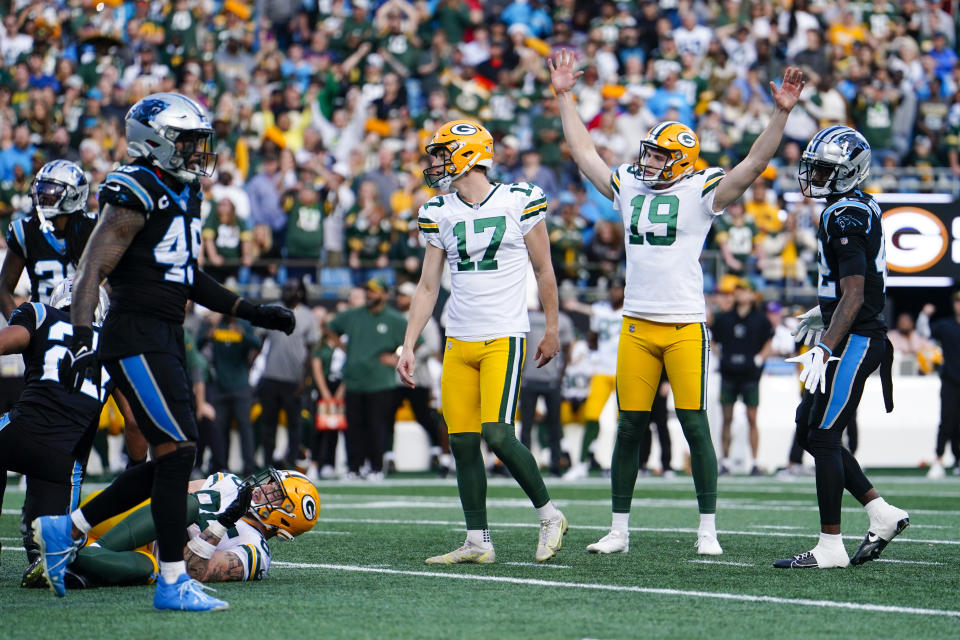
(851, 252)
(211, 294)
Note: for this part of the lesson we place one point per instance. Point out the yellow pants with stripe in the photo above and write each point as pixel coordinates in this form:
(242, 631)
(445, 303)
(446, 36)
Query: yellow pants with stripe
(601, 386)
(646, 348)
(480, 382)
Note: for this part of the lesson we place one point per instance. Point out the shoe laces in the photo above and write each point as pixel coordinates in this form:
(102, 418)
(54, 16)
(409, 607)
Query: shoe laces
(194, 588)
(803, 556)
(544, 529)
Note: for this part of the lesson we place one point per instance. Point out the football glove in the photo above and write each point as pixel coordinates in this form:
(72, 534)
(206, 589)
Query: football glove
(814, 372)
(810, 328)
(273, 316)
(238, 507)
(80, 361)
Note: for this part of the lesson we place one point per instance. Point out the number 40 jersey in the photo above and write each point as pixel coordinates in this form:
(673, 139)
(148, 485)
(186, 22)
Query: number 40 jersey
(488, 259)
(665, 232)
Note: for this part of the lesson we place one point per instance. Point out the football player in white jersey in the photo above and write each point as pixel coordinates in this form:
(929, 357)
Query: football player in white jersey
(487, 234)
(231, 520)
(667, 208)
(606, 319)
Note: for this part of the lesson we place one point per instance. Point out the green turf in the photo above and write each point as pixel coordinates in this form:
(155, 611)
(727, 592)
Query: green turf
(366, 577)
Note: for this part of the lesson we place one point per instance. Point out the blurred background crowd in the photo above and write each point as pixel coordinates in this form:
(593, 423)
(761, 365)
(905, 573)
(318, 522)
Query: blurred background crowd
(322, 109)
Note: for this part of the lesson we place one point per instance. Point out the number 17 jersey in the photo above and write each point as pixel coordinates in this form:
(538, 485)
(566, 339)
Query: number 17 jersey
(487, 255)
(664, 234)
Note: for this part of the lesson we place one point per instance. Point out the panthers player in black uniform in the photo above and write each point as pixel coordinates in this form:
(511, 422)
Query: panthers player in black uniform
(146, 244)
(48, 243)
(852, 345)
(48, 434)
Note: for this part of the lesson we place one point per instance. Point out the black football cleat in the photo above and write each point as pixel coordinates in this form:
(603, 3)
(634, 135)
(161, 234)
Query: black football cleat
(807, 560)
(873, 545)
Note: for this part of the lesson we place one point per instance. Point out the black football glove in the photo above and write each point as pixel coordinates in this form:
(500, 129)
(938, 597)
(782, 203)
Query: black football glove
(273, 316)
(238, 507)
(80, 362)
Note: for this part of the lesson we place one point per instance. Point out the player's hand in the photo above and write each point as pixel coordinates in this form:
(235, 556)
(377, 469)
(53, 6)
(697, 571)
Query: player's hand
(80, 361)
(788, 93)
(547, 350)
(810, 328)
(814, 372)
(273, 316)
(238, 507)
(405, 367)
(562, 73)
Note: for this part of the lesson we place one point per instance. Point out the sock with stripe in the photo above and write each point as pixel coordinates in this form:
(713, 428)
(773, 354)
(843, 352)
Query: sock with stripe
(703, 457)
(502, 440)
(626, 458)
(591, 428)
(471, 479)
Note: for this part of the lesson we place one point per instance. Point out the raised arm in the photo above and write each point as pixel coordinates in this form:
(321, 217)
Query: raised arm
(732, 185)
(538, 246)
(9, 277)
(421, 308)
(584, 153)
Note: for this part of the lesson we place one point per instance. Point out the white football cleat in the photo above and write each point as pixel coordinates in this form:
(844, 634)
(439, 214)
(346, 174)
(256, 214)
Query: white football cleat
(469, 553)
(578, 471)
(708, 545)
(550, 540)
(936, 471)
(614, 542)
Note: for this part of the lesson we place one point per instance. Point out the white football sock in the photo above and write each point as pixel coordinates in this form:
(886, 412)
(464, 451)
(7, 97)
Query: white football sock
(547, 511)
(708, 523)
(479, 537)
(621, 522)
(170, 571)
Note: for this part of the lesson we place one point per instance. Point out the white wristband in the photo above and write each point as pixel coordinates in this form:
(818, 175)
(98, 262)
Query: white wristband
(216, 529)
(201, 547)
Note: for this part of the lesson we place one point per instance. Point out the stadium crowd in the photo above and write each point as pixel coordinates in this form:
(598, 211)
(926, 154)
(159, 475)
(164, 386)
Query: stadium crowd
(322, 109)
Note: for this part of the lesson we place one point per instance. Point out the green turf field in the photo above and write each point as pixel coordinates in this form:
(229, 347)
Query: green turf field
(360, 573)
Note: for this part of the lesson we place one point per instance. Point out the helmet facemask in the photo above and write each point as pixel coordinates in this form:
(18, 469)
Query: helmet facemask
(665, 174)
(193, 148)
(50, 197)
(274, 508)
(440, 176)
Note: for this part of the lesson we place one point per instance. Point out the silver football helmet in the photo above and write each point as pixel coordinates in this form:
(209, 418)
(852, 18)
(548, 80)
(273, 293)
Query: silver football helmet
(59, 188)
(174, 133)
(835, 161)
(62, 296)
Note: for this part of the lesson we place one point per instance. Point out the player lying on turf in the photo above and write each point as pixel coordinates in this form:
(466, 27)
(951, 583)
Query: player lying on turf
(231, 521)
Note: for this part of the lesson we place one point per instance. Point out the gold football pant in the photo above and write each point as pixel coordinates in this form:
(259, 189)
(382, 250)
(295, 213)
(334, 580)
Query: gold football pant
(646, 348)
(480, 382)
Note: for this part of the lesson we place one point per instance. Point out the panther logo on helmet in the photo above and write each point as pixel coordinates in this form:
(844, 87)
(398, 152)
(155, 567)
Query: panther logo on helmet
(677, 143)
(835, 162)
(459, 145)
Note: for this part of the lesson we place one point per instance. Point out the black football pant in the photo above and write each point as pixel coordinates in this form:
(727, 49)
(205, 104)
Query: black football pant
(826, 415)
(949, 430)
(552, 395)
(53, 476)
(370, 415)
(232, 405)
(419, 398)
(275, 395)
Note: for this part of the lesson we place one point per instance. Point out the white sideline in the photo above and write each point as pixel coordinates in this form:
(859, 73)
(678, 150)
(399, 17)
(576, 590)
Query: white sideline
(744, 597)
(593, 527)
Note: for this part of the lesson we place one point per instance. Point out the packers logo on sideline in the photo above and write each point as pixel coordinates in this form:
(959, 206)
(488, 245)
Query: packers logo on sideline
(463, 129)
(915, 239)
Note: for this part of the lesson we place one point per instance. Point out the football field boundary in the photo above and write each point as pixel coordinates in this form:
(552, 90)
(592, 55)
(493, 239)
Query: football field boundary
(593, 527)
(536, 582)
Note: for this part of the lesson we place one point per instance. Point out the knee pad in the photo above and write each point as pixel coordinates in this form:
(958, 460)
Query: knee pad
(630, 425)
(821, 441)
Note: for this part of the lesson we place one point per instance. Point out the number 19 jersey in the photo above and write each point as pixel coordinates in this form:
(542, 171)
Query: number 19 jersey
(487, 254)
(665, 232)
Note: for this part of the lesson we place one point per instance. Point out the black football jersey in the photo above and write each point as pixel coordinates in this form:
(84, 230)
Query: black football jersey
(154, 276)
(850, 242)
(58, 418)
(49, 258)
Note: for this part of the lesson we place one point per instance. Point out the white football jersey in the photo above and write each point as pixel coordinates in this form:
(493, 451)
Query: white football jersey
(243, 539)
(606, 322)
(665, 232)
(487, 256)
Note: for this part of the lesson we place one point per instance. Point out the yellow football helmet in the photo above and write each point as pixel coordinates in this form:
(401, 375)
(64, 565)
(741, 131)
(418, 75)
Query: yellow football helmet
(459, 145)
(680, 145)
(287, 503)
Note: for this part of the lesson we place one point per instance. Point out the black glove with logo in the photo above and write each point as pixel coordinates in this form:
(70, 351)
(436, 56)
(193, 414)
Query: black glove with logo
(80, 362)
(268, 316)
(238, 507)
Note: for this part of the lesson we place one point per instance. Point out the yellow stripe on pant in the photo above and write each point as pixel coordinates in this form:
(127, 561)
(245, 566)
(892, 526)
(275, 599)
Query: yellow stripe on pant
(646, 348)
(480, 382)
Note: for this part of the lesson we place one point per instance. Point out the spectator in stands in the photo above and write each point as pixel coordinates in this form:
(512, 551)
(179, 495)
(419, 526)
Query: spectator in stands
(566, 239)
(946, 331)
(304, 236)
(736, 239)
(761, 205)
(227, 244)
(284, 370)
(369, 233)
(907, 343)
(373, 332)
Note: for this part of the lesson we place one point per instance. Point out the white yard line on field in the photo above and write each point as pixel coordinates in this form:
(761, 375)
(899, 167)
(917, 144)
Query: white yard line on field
(726, 562)
(777, 534)
(537, 564)
(742, 597)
